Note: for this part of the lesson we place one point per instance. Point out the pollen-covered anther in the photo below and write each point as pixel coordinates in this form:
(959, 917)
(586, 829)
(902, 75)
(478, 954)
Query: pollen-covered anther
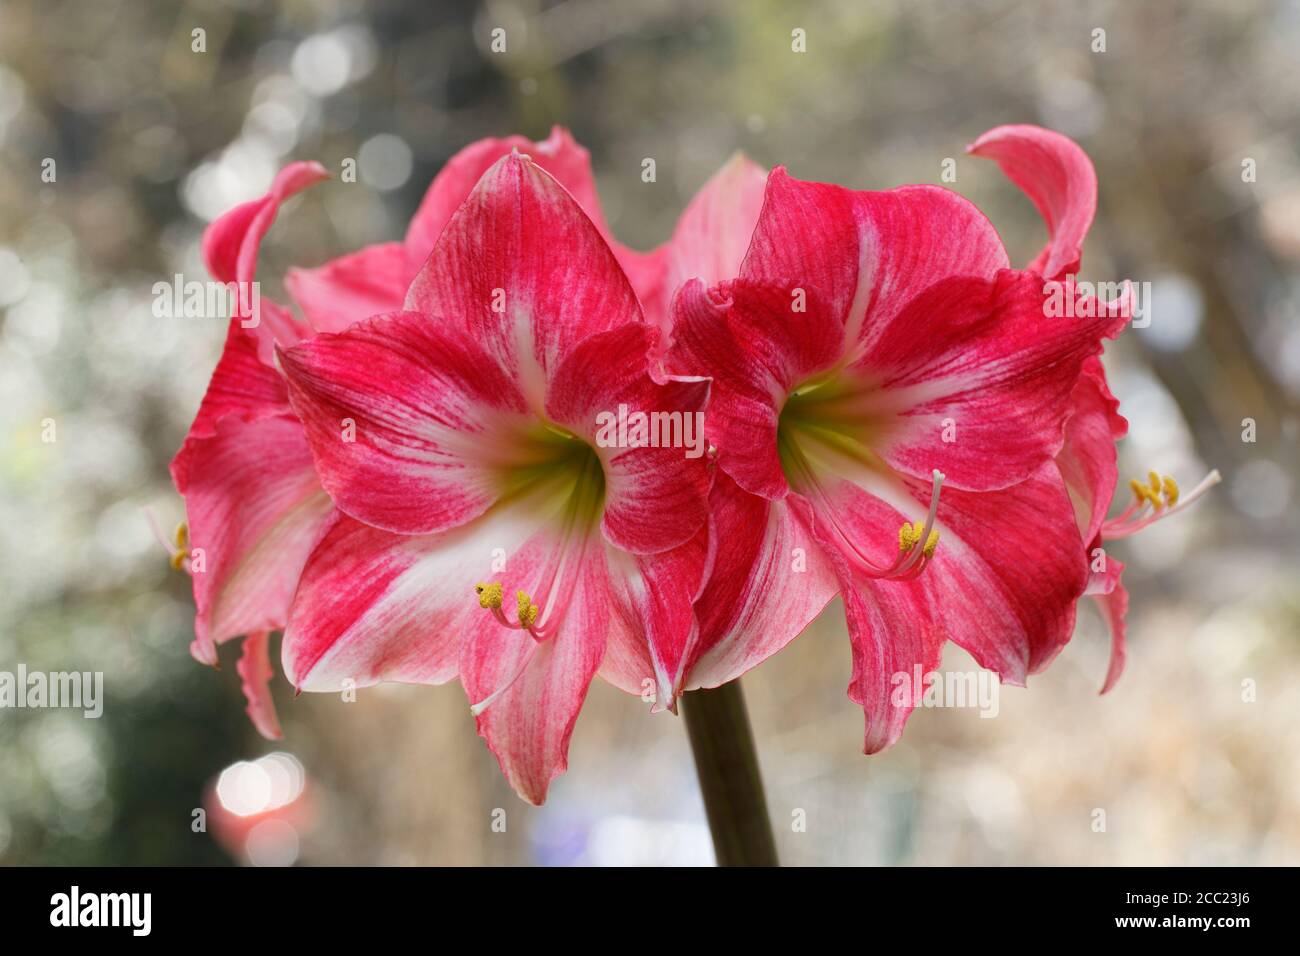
(910, 533)
(528, 611)
(907, 537)
(489, 595)
(1159, 497)
(181, 551)
(1170, 488)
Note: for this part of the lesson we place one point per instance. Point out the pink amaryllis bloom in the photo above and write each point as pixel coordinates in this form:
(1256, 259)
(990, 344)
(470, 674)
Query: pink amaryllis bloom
(888, 401)
(486, 530)
(254, 504)
(1060, 180)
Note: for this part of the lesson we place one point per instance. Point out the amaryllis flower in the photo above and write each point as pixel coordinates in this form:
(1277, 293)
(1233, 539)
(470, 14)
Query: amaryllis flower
(254, 504)
(1060, 180)
(485, 530)
(888, 401)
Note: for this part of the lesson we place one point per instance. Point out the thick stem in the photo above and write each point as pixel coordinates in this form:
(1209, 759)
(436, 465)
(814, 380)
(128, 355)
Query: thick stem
(730, 780)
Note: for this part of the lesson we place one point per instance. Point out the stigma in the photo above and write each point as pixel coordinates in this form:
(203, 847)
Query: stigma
(1158, 497)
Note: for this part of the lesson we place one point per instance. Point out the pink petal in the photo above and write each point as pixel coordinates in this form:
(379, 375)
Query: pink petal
(255, 510)
(559, 155)
(652, 625)
(655, 497)
(255, 675)
(866, 255)
(1006, 576)
(352, 287)
(241, 385)
(429, 409)
(745, 336)
(376, 606)
(979, 379)
(1108, 593)
(1007, 572)
(1087, 460)
(892, 634)
(768, 581)
(1058, 176)
(231, 244)
(521, 271)
(537, 688)
(709, 242)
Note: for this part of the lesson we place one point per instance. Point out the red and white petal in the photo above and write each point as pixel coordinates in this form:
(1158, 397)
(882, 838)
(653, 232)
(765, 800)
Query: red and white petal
(754, 343)
(868, 254)
(894, 638)
(242, 385)
(559, 154)
(521, 270)
(710, 241)
(353, 287)
(652, 625)
(655, 497)
(1007, 573)
(528, 693)
(405, 419)
(230, 248)
(1088, 459)
(1108, 593)
(1057, 175)
(979, 378)
(255, 510)
(767, 581)
(255, 675)
(231, 243)
(895, 628)
(375, 606)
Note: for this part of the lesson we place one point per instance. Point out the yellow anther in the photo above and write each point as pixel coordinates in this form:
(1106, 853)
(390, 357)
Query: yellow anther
(908, 536)
(182, 536)
(910, 533)
(1139, 490)
(178, 558)
(528, 611)
(489, 595)
(1171, 491)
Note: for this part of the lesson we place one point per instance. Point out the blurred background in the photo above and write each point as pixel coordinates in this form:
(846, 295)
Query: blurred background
(151, 140)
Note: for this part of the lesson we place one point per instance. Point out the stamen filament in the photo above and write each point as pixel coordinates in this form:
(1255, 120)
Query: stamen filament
(913, 554)
(1148, 509)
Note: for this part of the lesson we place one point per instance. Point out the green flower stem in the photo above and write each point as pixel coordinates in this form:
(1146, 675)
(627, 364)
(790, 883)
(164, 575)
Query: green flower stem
(730, 781)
